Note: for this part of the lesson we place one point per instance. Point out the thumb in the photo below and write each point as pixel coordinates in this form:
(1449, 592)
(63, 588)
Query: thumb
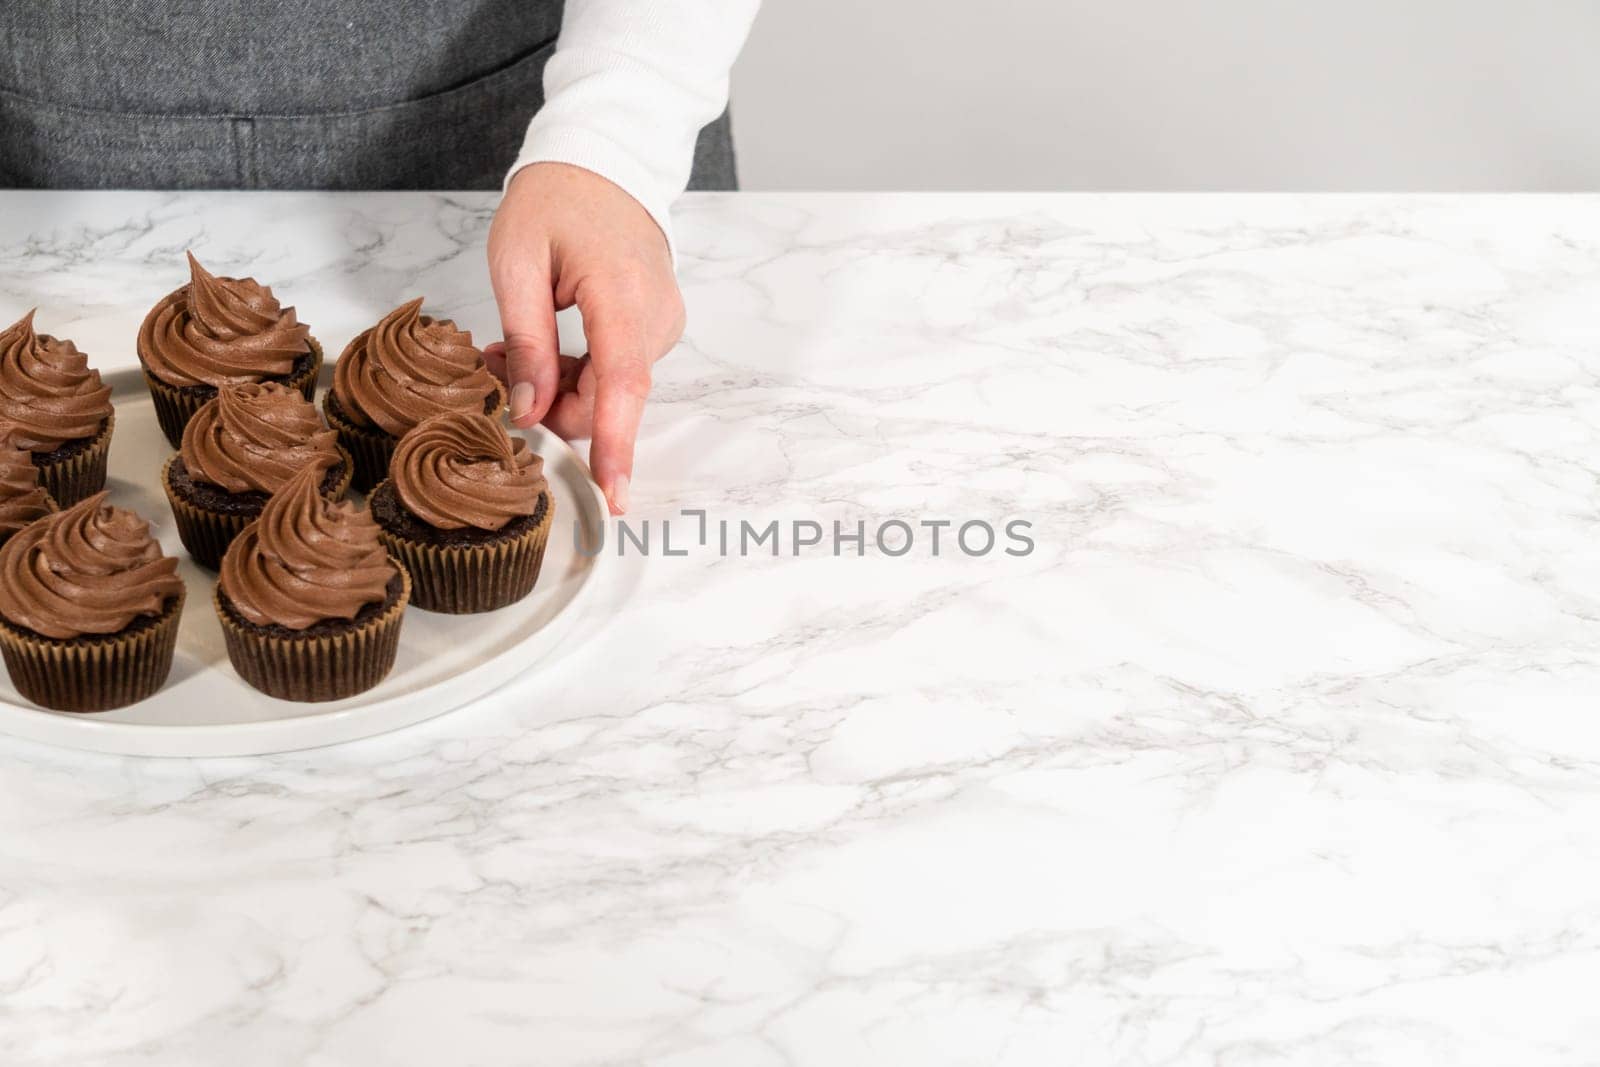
(522, 289)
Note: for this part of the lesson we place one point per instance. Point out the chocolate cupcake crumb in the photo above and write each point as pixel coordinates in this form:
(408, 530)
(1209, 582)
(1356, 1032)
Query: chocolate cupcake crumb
(215, 498)
(393, 516)
(325, 628)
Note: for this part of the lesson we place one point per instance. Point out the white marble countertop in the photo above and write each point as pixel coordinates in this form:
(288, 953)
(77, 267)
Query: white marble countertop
(1280, 747)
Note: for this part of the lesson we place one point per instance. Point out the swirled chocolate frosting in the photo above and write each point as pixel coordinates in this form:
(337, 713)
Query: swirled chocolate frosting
(305, 559)
(91, 569)
(255, 436)
(217, 330)
(460, 469)
(22, 498)
(408, 367)
(48, 394)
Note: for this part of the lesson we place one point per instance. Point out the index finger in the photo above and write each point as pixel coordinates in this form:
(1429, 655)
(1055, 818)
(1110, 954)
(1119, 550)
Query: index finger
(528, 323)
(619, 351)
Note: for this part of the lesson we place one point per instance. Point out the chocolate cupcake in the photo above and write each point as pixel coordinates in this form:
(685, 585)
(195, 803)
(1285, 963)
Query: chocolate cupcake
(467, 510)
(54, 406)
(310, 602)
(89, 608)
(217, 330)
(22, 498)
(240, 448)
(408, 367)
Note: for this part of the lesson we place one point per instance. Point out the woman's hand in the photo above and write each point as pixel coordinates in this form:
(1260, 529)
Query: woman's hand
(565, 236)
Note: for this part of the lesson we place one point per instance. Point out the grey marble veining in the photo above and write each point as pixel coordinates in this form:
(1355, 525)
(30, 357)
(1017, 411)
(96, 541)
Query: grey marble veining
(1280, 747)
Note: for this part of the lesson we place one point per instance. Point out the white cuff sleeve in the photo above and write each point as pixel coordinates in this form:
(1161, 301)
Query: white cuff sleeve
(629, 88)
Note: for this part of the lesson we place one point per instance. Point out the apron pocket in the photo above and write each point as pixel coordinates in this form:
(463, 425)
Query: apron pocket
(463, 138)
(53, 146)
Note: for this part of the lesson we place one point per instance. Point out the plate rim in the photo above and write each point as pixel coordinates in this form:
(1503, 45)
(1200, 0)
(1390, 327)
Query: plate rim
(84, 732)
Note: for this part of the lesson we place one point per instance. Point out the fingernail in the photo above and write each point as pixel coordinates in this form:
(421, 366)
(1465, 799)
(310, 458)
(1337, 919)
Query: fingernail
(619, 494)
(521, 400)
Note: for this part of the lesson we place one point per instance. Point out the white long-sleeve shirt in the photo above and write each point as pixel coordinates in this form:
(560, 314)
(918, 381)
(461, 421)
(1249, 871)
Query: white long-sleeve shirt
(629, 87)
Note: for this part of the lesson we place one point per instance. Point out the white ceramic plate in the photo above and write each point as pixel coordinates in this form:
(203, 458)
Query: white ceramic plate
(445, 661)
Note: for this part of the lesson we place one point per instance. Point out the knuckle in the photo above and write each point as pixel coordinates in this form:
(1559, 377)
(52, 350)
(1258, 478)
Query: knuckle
(502, 250)
(676, 317)
(514, 255)
(633, 379)
(629, 286)
(654, 305)
(523, 346)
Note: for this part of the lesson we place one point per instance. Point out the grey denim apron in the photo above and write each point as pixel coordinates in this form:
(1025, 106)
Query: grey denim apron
(292, 94)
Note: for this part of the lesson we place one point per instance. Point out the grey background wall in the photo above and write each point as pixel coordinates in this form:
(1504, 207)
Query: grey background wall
(1133, 94)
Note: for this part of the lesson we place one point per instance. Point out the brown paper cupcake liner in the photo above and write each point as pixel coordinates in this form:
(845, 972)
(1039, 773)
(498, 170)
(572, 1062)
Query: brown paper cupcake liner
(206, 534)
(81, 474)
(312, 668)
(92, 673)
(467, 579)
(371, 447)
(176, 406)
